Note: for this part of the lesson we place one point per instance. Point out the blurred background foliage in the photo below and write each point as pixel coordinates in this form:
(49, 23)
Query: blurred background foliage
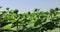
(37, 21)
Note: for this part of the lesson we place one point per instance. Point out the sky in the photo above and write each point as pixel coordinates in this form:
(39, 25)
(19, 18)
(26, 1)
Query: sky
(29, 5)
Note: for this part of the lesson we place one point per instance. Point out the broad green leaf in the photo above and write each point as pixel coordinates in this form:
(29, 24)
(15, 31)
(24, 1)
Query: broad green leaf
(7, 27)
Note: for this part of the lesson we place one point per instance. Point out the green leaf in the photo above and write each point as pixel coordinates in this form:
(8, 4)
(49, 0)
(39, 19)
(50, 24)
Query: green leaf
(7, 27)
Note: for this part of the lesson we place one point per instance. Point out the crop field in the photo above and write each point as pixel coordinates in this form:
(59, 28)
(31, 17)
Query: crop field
(37, 21)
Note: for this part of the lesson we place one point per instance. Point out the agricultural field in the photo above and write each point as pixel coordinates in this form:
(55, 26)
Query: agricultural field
(37, 21)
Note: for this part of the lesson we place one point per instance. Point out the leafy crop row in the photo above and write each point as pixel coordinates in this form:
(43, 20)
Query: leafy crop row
(37, 21)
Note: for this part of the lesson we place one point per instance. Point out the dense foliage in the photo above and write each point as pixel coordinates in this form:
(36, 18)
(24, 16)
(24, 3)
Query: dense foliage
(37, 21)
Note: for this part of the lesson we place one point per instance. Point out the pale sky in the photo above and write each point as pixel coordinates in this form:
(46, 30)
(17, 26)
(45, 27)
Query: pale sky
(29, 5)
